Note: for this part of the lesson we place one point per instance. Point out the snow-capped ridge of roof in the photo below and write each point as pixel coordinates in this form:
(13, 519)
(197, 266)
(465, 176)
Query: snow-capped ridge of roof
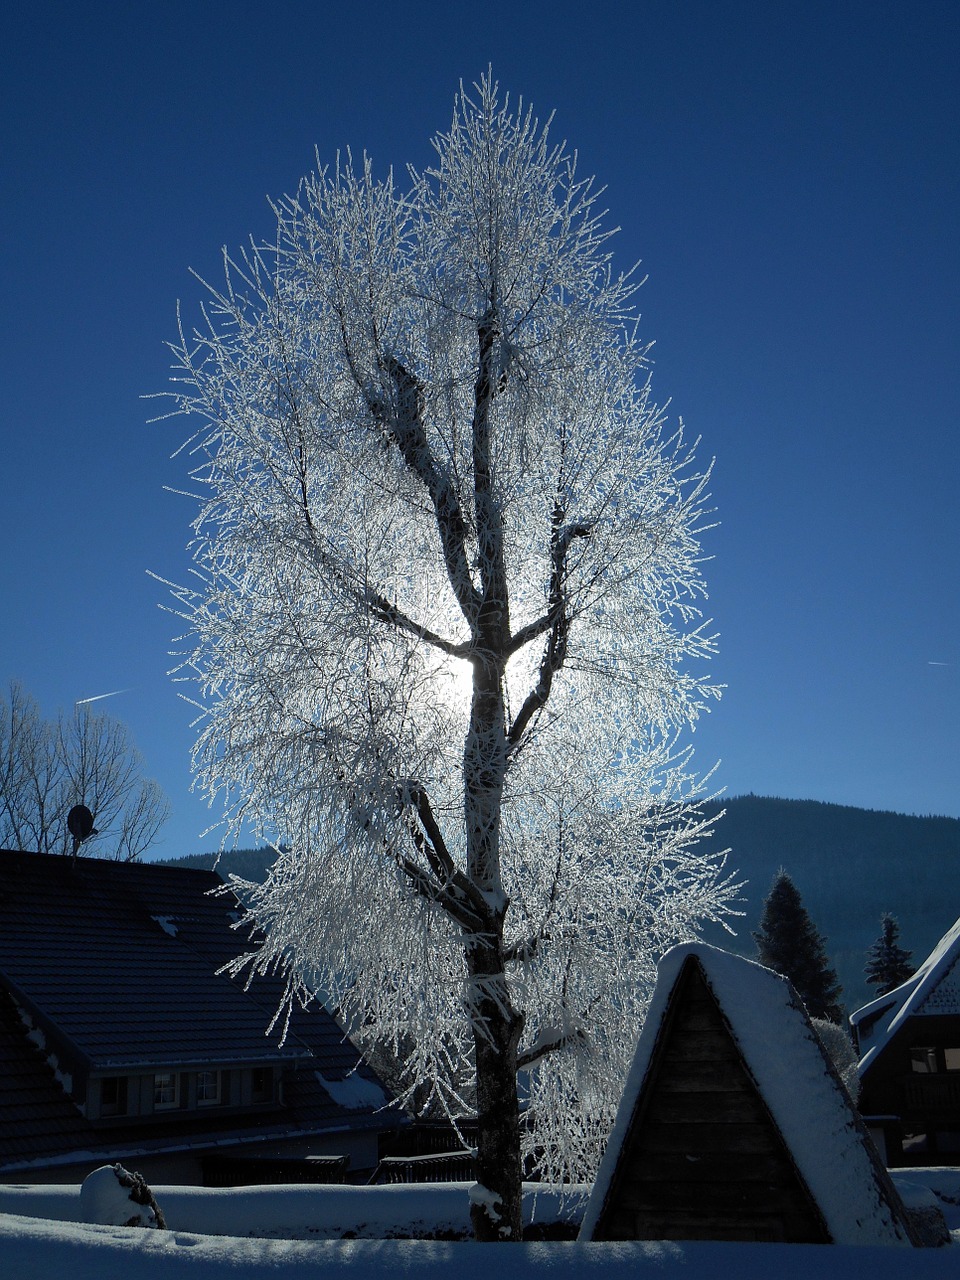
(910, 998)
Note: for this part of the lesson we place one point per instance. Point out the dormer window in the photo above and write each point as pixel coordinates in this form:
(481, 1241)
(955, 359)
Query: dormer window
(166, 1091)
(923, 1060)
(209, 1085)
(113, 1096)
(261, 1085)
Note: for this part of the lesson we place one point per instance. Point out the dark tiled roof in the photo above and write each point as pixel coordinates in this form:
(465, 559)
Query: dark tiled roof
(36, 1114)
(116, 965)
(121, 959)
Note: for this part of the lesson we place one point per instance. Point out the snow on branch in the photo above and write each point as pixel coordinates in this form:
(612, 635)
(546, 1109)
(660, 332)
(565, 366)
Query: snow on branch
(446, 625)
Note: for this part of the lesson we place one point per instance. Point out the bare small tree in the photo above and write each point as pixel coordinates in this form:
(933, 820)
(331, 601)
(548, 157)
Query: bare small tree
(448, 588)
(48, 766)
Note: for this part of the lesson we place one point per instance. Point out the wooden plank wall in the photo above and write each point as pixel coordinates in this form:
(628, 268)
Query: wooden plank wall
(703, 1159)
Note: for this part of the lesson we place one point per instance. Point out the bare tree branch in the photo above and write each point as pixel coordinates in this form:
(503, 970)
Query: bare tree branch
(404, 427)
(47, 767)
(557, 624)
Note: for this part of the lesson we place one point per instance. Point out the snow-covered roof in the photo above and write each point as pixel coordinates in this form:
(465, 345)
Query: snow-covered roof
(116, 968)
(933, 991)
(798, 1085)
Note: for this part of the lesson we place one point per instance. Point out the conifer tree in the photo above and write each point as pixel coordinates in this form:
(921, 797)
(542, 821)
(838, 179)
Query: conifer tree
(888, 964)
(789, 943)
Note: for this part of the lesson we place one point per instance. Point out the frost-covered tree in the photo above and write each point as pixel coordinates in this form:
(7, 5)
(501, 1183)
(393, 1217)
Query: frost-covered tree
(448, 599)
(838, 1043)
(789, 942)
(888, 964)
(48, 766)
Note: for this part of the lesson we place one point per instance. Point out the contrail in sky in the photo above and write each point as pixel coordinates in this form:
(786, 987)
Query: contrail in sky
(932, 663)
(97, 696)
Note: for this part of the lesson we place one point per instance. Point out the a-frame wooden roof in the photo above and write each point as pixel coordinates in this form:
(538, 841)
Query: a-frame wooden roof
(734, 1124)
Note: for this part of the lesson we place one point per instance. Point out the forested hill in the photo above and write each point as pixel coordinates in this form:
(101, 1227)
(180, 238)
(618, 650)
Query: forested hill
(850, 865)
(248, 864)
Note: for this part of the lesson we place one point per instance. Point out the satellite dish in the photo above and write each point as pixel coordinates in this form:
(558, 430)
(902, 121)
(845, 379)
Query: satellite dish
(80, 824)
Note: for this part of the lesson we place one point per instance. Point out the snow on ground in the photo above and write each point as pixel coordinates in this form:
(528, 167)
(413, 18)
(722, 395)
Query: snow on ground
(33, 1249)
(942, 1188)
(42, 1239)
(306, 1212)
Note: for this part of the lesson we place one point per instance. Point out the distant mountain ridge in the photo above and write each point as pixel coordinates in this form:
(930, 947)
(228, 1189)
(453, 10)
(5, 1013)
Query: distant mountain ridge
(850, 866)
(248, 864)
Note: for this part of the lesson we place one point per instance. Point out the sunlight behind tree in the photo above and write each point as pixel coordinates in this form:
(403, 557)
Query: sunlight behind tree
(427, 448)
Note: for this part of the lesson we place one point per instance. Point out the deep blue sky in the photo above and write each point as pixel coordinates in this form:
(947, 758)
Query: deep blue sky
(787, 172)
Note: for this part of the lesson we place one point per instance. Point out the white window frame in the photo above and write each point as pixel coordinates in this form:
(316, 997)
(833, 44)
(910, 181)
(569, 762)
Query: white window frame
(204, 1079)
(166, 1090)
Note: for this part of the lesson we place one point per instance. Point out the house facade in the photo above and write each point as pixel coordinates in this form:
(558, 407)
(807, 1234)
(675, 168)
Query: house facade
(909, 1042)
(122, 1039)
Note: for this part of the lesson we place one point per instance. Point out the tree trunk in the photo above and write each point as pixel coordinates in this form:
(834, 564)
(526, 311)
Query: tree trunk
(496, 1207)
(495, 1210)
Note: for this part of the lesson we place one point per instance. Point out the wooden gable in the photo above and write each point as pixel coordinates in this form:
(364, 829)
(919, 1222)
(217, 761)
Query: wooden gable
(702, 1158)
(734, 1124)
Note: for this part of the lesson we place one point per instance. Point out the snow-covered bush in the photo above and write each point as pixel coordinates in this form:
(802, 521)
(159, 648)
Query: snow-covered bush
(839, 1046)
(114, 1197)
